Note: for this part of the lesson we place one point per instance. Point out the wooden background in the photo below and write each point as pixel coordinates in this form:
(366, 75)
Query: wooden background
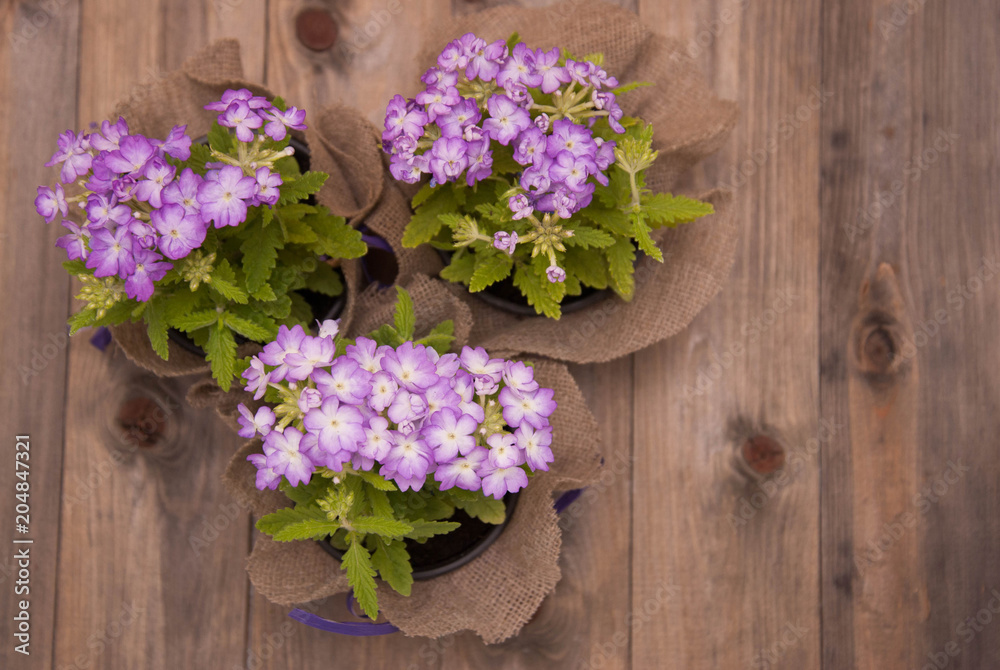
(854, 331)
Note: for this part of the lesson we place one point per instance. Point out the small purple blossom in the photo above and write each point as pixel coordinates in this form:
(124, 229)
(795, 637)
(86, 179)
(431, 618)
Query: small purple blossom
(507, 119)
(285, 456)
(555, 274)
(73, 155)
(111, 253)
(254, 424)
(51, 202)
(224, 200)
(504, 241)
(279, 122)
(149, 267)
(180, 232)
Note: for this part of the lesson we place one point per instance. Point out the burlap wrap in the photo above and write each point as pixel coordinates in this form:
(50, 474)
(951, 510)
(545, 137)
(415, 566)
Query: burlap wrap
(355, 169)
(690, 123)
(494, 595)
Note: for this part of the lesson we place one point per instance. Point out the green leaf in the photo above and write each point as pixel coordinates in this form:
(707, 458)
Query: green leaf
(250, 328)
(503, 161)
(276, 521)
(224, 282)
(361, 576)
(279, 308)
(195, 320)
(265, 293)
(530, 283)
(642, 238)
(425, 222)
(664, 209)
(82, 319)
(336, 238)
(393, 564)
(376, 480)
(379, 502)
(200, 154)
(302, 188)
(421, 530)
(76, 267)
(614, 221)
(405, 318)
(298, 231)
(630, 87)
(486, 509)
(422, 195)
(590, 238)
(310, 529)
(461, 268)
(491, 267)
(440, 338)
(513, 40)
(260, 251)
(304, 494)
(324, 279)
(589, 266)
(221, 350)
(621, 266)
(381, 526)
(220, 140)
(386, 335)
(157, 328)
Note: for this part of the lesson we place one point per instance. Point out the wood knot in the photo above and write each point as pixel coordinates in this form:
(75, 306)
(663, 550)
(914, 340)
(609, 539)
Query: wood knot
(316, 29)
(763, 455)
(878, 350)
(881, 339)
(142, 422)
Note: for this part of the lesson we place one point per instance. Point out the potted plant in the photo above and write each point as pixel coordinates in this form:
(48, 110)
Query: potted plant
(219, 240)
(533, 177)
(400, 458)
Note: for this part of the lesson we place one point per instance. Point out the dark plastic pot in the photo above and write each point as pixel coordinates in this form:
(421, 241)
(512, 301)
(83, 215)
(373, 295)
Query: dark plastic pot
(506, 297)
(442, 554)
(379, 262)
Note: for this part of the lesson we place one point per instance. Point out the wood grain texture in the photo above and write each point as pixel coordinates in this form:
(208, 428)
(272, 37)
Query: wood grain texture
(910, 188)
(38, 69)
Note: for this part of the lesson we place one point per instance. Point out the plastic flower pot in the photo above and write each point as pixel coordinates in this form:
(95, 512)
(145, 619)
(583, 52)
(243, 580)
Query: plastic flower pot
(505, 296)
(379, 263)
(442, 554)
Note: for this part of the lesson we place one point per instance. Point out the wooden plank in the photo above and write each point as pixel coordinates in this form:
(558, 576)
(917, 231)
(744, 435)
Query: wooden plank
(910, 538)
(743, 552)
(151, 565)
(38, 75)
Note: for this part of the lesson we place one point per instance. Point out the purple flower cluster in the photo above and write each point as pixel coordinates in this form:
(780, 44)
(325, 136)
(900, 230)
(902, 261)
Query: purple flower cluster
(140, 210)
(445, 133)
(468, 420)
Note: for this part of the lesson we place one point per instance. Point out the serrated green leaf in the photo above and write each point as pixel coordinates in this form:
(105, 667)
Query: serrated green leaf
(486, 509)
(530, 283)
(513, 40)
(425, 222)
(260, 252)
(404, 318)
(221, 353)
(590, 266)
(379, 502)
(463, 264)
(642, 238)
(614, 221)
(223, 280)
(298, 231)
(336, 238)
(310, 529)
(200, 154)
(120, 312)
(301, 188)
(157, 328)
(265, 293)
(664, 209)
(386, 335)
(421, 530)
(393, 564)
(590, 238)
(440, 338)
(195, 320)
(276, 521)
(324, 279)
(503, 161)
(630, 87)
(279, 308)
(422, 195)
(251, 329)
(76, 267)
(376, 480)
(219, 139)
(82, 319)
(361, 575)
(491, 267)
(381, 526)
(621, 267)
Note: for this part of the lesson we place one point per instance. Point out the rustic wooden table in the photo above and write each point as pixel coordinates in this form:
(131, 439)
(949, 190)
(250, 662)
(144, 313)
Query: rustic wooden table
(857, 339)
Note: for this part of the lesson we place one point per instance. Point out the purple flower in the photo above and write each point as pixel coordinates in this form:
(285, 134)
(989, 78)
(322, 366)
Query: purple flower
(498, 482)
(123, 188)
(479, 364)
(338, 427)
(522, 209)
(480, 161)
(73, 155)
(542, 122)
(536, 178)
(178, 144)
(535, 445)
(328, 328)
(75, 243)
(378, 440)
(285, 456)
(410, 366)
(309, 399)
(401, 119)
(365, 352)
(345, 380)
(532, 407)
(571, 137)
(579, 71)
(530, 146)
(180, 232)
(519, 377)
(520, 69)
(409, 458)
(158, 173)
(409, 170)
(183, 191)
(384, 390)
(462, 472)
(313, 353)
(446, 365)
(503, 241)
(484, 60)
(572, 170)
(438, 102)
(463, 114)
(278, 122)
(267, 478)
(133, 152)
(238, 115)
(448, 158)
(600, 79)
(51, 202)
(450, 433)
(552, 74)
(464, 385)
(506, 120)
(257, 378)
(267, 186)
(439, 78)
(441, 396)
(453, 57)
(223, 200)
(102, 208)
(231, 96)
(555, 274)
(111, 253)
(503, 450)
(251, 423)
(406, 406)
(274, 353)
(110, 134)
(149, 267)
